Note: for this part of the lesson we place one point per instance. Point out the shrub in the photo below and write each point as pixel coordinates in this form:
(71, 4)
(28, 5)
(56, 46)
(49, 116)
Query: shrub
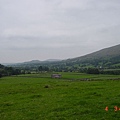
(92, 71)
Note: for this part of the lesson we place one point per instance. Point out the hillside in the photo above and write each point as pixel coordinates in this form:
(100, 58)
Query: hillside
(40, 62)
(34, 63)
(108, 57)
(105, 58)
(104, 53)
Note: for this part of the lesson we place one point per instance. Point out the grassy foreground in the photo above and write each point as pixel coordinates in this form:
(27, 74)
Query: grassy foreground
(74, 97)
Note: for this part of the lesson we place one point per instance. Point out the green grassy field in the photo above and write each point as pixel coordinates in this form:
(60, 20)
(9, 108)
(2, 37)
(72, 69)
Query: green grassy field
(73, 97)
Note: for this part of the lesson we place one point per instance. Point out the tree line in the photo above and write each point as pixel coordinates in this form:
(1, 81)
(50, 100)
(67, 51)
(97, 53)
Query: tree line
(7, 71)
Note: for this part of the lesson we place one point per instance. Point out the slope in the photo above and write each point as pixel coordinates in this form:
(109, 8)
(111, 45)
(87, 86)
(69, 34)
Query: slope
(105, 57)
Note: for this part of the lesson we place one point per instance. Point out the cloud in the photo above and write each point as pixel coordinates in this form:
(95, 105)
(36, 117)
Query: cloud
(68, 27)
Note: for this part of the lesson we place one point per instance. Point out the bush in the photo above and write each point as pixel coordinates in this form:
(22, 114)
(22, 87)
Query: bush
(93, 71)
(111, 72)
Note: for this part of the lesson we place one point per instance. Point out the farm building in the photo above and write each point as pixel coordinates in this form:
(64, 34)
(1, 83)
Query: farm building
(56, 76)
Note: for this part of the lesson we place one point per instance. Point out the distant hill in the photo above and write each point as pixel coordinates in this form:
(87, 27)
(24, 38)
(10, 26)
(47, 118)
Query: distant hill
(32, 62)
(53, 60)
(40, 62)
(104, 53)
(105, 57)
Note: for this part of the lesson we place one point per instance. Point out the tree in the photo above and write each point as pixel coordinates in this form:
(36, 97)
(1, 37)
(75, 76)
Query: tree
(16, 72)
(46, 68)
(40, 68)
(93, 71)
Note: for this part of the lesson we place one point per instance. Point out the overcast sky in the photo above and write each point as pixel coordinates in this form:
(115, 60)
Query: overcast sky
(56, 29)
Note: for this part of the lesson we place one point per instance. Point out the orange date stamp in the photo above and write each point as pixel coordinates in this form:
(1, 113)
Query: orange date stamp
(116, 108)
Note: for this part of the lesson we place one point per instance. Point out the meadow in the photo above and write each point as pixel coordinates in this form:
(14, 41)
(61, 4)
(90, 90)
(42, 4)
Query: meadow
(75, 96)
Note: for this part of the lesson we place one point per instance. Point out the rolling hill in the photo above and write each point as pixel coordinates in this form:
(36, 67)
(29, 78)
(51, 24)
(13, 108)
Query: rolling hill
(106, 58)
(104, 53)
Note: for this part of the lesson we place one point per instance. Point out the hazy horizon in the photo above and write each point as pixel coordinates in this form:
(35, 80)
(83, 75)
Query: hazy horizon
(62, 29)
(49, 59)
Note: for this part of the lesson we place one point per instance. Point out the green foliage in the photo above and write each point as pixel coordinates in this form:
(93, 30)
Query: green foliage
(93, 71)
(40, 68)
(112, 72)
(43, 68)
(7, 71)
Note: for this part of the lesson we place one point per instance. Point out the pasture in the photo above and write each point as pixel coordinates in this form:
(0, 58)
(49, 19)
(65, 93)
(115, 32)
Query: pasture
(75, 96)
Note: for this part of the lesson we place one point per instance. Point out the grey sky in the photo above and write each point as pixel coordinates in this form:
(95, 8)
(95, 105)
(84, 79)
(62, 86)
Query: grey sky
(61, 29)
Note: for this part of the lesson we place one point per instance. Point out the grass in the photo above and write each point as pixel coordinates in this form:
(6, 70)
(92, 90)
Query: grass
(28, 98)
